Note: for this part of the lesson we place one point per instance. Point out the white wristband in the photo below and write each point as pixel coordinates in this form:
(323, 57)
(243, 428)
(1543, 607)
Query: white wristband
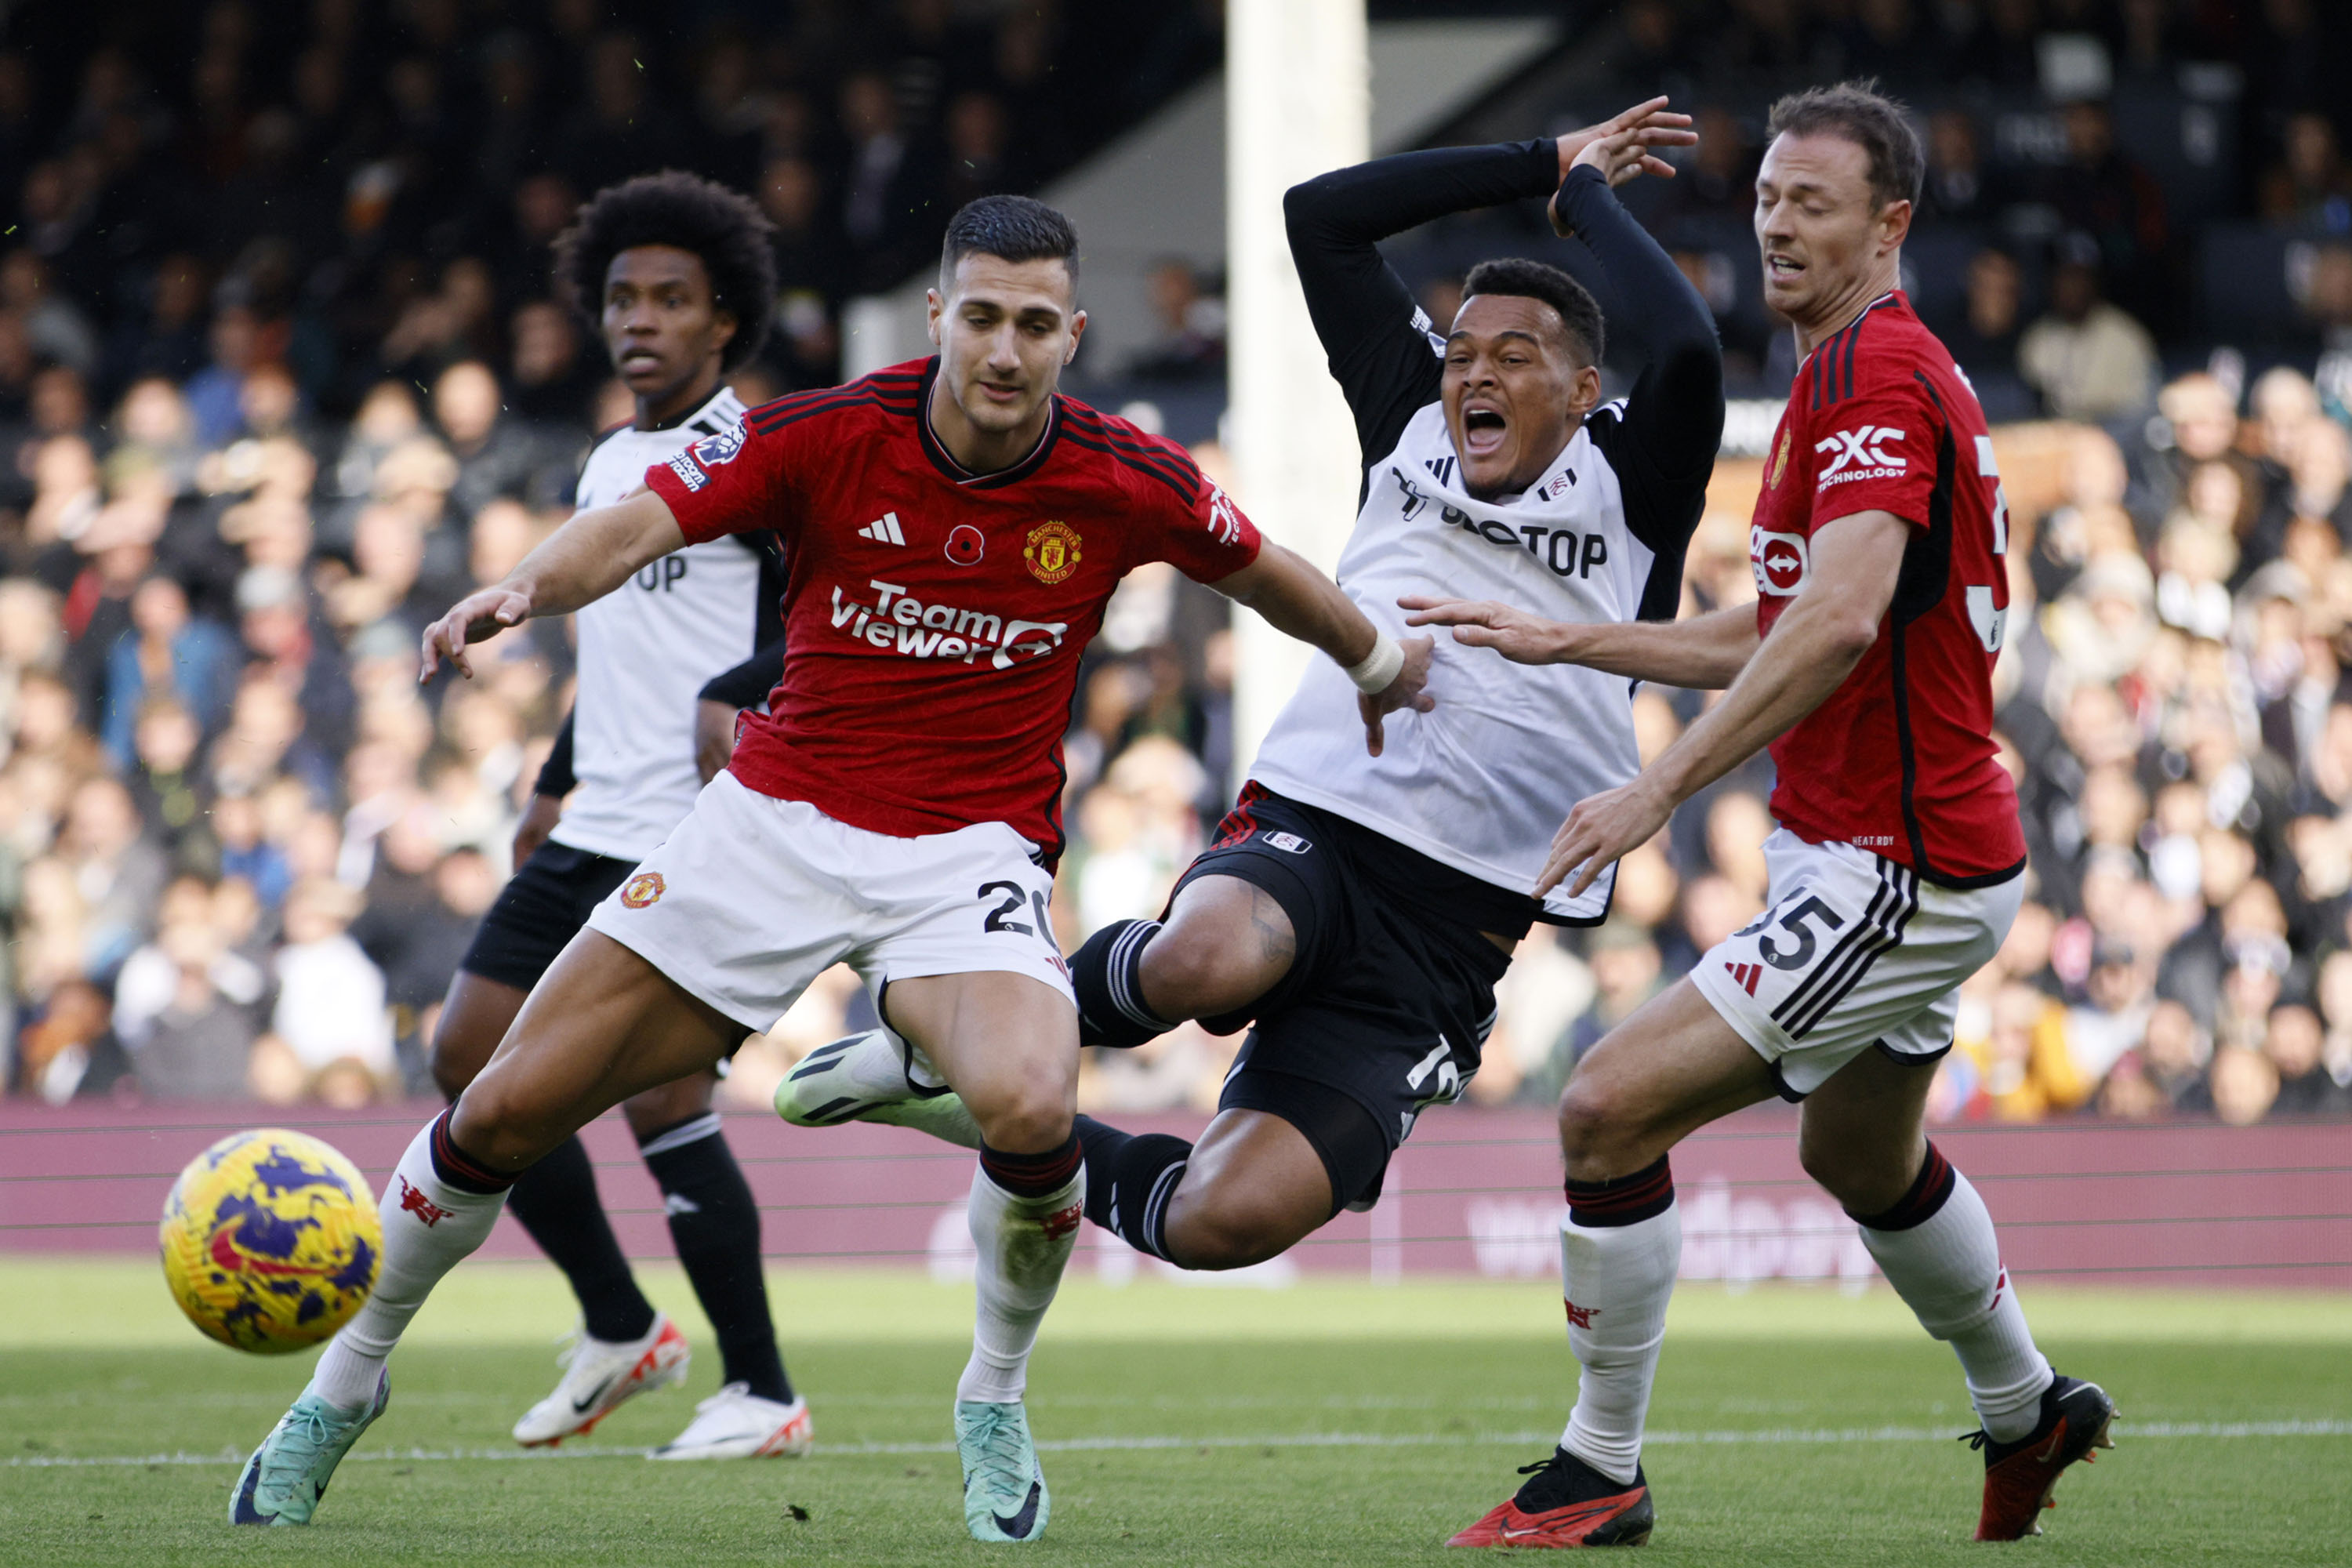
(1378, 667)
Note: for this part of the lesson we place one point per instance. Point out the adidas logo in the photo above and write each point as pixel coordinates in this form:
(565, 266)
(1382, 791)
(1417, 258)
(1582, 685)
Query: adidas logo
(884, 530)
(1746, 976)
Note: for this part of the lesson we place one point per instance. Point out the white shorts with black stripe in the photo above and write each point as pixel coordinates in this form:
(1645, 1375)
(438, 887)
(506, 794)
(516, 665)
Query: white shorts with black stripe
(1852, 951)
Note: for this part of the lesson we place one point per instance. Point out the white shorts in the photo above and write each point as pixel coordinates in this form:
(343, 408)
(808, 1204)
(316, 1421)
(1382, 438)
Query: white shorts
(1852, 951)
(750, 897)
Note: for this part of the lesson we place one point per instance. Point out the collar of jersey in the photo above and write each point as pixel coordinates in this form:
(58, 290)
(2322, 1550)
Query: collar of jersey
(1892, 295)
(724, 392)
(956, 471)
(1416, 472)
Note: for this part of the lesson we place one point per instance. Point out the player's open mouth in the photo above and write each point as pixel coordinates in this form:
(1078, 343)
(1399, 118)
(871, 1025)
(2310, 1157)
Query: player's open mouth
(639, 359)
(995, 393)
(1782, 267)
(1482, 429)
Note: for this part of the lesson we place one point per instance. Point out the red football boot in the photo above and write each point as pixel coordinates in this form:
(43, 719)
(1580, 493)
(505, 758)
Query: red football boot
(1566, 1503)
(2020, 1476)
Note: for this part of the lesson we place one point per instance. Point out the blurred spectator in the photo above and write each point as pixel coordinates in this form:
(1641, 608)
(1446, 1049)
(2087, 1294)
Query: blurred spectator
(330, 1032)
(185, 1005)
(880, 199)
(2024, 1070)
(1985, 338)
(2104, 193)
(54, 327)
(2309, 186)
(1626, 973)
(1191, 344)
(2088, 359)
(1957, 187)
(165, 652)
(550, 378)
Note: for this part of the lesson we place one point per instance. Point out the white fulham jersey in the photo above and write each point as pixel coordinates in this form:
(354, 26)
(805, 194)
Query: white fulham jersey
(647, 648)
(1482, 781)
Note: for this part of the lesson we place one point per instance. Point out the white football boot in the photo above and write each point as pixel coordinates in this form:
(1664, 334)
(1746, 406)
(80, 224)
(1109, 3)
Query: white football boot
(733, 1424)
(878, 1075)
(599, 1376)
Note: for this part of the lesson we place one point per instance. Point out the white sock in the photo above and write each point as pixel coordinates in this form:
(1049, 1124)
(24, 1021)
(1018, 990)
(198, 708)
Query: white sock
(429, 1228)
(1616, 1279)
(1947, 1268)
(1024, 1245)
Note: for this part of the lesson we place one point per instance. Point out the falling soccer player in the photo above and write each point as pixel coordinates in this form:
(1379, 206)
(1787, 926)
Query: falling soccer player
(953, 528)
(1866, 666)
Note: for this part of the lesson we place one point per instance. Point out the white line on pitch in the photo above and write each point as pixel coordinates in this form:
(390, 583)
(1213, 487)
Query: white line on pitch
(1766, 1437)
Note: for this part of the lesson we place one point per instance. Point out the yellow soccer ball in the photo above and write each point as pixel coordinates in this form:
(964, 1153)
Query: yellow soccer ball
(271, 1241)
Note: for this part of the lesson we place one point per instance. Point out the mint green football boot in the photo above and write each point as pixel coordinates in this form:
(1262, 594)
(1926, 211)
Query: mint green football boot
(287, 1474)
(875, 1076)
(1004, 1496)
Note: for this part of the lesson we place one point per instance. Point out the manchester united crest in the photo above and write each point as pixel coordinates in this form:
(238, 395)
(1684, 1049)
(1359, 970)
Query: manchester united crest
(1052, 552)
(645, 888)
(1780, 460)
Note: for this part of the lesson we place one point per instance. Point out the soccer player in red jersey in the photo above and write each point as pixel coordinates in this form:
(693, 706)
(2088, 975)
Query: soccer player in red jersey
(1866, 665)
(953, 529)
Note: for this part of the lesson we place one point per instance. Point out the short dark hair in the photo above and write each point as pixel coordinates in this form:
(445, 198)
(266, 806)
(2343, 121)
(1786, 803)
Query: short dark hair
(1010, 228)
(722, 227)
(1860, 114)
(1580, 312)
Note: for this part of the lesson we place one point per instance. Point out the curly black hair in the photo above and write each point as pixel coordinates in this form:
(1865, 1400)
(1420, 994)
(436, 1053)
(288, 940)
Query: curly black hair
(1580, 312)
(676, 208)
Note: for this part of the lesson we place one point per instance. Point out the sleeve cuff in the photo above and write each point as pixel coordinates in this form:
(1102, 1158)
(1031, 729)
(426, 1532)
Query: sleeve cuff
(1578, 189)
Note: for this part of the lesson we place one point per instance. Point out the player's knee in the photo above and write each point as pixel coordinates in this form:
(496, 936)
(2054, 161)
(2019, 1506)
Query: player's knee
(454, 1061)
(1863, 1180)
(669, 1104)
(504, 1125)
(1024, 1121)
(1187, 971)
(1590, 1125)
(448, 1076)
(1212, 1235)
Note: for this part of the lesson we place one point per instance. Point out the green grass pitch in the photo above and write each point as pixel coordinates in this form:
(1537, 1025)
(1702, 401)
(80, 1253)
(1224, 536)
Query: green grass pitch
(1331, 1423)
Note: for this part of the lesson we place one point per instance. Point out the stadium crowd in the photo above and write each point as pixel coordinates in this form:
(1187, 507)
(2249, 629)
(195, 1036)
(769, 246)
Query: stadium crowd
(282, 377)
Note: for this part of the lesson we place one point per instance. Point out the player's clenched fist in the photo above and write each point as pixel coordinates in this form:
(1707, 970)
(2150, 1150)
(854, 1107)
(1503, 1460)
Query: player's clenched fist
(1404, 692)
(480, 615)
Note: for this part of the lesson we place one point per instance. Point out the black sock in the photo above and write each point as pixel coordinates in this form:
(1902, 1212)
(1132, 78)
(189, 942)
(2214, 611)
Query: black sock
(1105, 973)
(1129, 1179)
(716, 1227)
(556, 1202)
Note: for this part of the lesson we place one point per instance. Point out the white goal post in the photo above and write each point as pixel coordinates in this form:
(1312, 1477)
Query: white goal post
(1297, 105)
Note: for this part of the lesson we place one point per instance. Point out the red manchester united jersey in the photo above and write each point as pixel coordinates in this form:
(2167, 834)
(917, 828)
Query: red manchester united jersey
(933, 618)
(1900, 759)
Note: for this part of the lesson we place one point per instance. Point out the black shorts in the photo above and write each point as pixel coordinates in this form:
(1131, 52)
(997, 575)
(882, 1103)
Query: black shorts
(542, 906)
(1391, 995)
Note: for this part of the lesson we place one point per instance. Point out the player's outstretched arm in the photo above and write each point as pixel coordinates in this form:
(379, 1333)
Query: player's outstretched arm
(1814, 645)
(1704, 653)
(1297, 600)
(592, 553)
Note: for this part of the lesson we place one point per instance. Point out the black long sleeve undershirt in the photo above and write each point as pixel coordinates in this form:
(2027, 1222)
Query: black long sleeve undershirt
(1381, 351)
(1387, 360)
(748, 684)
(556, 775)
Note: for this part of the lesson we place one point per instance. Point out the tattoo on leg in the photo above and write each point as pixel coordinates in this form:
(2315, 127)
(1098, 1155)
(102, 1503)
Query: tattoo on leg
(1276, 941)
